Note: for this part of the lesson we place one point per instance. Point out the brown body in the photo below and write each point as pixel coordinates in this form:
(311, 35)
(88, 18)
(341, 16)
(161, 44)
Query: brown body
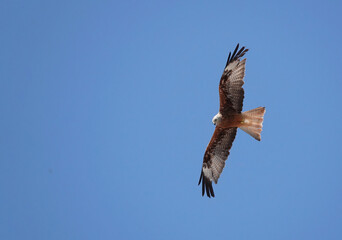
(232, 120)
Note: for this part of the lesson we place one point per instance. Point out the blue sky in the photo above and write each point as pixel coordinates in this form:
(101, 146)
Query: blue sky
(106, 111)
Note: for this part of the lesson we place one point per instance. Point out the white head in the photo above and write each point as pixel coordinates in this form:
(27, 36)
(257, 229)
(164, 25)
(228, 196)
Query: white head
(217, 119)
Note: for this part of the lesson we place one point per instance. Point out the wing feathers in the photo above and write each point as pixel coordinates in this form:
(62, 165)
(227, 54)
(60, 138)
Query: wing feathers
(238, 54)
(199, 182)
(237, 46)
(235, 56)
(207, 186)
(217, 167)
(214, 158)
(208, 191)
(203, 185)
(228, 59)
(231, 91)
(210, 185)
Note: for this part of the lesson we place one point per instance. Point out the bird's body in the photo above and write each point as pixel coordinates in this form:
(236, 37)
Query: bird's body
(229, 118)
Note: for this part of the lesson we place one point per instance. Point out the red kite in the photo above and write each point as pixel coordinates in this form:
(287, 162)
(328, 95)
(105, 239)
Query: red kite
(228, 120)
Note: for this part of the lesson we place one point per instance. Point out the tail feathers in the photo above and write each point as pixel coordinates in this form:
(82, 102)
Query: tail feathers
(252, 123)
(254, 132)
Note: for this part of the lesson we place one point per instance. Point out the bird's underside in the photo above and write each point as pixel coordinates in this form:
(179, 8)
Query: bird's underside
(229, 118)
(250, 121)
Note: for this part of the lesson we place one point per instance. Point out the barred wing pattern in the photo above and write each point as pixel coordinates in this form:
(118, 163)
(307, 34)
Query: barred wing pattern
(230, 88)
(214, 158)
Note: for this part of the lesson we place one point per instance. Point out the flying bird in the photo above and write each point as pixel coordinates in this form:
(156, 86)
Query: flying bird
(228, 120)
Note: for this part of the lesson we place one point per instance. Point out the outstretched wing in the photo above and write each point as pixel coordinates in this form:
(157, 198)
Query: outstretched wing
(214, 158)
(230, 88)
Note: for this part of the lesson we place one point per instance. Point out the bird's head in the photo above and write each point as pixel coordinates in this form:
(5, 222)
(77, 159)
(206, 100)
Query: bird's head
(217, 119)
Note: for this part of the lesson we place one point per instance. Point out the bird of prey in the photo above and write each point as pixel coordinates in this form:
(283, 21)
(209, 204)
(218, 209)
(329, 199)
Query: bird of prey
(228, 120)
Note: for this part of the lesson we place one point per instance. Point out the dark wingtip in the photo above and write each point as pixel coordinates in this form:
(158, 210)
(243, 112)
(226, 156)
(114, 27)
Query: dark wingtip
(207, 186)
(199, 182)
(228, 59)
(237, 47)
(211, 189)
(236, 54)
(207, 189)
(203, 190)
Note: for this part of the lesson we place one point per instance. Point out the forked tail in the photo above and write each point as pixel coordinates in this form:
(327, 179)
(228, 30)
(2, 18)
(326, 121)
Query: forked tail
(252, 122)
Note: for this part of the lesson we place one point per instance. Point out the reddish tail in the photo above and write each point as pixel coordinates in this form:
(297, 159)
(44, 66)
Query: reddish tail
(252, 122)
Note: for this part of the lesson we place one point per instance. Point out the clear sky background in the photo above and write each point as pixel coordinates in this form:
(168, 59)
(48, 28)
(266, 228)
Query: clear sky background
(106, 111)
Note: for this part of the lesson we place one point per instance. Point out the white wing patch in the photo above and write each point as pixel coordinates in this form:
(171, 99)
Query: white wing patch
(213, 173)
(208, 173)
(231, 65)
